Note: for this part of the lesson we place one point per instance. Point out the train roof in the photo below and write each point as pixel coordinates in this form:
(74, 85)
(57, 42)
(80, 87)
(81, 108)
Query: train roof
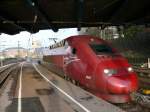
(75, 37)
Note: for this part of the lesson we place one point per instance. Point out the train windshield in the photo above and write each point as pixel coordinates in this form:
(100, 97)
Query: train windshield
(101, 48)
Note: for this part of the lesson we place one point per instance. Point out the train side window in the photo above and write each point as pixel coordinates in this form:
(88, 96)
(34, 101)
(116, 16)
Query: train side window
(74, 51)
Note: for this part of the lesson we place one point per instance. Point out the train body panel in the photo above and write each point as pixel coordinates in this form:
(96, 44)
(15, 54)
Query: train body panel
(96, 65)
(55, 63)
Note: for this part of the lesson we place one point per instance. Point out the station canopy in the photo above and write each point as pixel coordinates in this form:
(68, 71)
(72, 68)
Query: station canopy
(35, 15)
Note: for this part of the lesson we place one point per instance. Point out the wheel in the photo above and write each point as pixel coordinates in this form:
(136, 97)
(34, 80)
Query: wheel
(75, 82)
(65, 77)
(68, 78)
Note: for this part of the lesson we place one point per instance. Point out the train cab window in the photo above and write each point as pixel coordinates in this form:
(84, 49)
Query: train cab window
(101, 48)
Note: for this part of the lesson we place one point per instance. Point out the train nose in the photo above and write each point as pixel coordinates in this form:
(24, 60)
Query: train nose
(122, 84)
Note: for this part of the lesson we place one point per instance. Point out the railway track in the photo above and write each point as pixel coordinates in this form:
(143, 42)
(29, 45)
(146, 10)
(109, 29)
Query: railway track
(5, 74)
(140, 103)
(142, 72)
(144, 80)
(140, 99)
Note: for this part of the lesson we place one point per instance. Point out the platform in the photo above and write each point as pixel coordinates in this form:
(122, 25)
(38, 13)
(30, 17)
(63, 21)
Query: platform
(91, 102)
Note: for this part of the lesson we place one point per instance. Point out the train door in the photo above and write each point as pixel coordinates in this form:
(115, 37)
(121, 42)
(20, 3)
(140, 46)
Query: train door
(66, 58)
(89, 79)
(73, 65)
(88, 72)
(70, 61)
(69, 58)
(82, 71)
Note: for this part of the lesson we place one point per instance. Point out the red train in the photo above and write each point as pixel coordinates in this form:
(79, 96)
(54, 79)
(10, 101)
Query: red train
(95, 65)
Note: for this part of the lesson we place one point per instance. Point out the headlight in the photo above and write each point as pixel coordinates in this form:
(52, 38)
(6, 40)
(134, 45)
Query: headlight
(110, 72)
(130, 69)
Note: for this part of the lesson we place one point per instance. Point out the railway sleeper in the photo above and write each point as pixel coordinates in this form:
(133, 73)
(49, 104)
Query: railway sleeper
(141, 99)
